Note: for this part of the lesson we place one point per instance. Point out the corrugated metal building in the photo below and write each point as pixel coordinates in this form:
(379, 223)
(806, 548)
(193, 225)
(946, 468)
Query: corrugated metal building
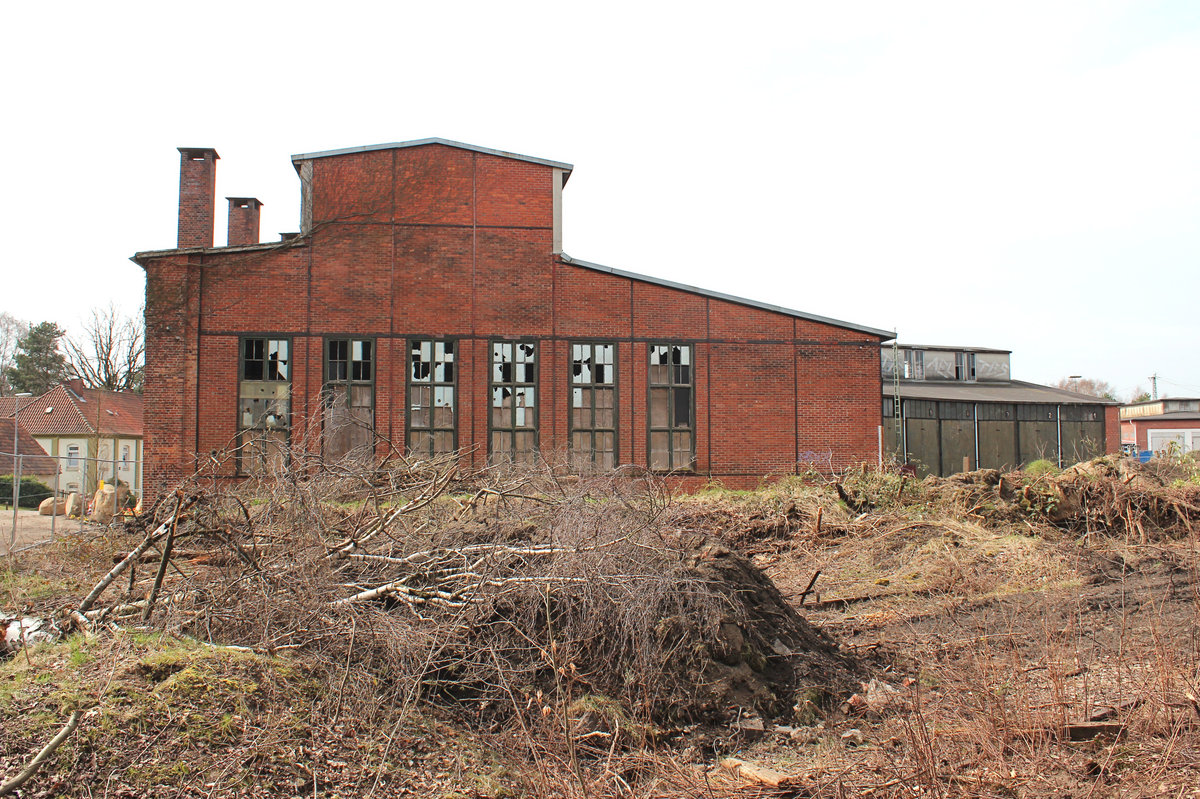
(953, 409)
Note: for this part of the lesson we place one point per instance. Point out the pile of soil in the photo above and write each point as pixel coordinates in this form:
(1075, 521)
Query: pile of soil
(766, 656)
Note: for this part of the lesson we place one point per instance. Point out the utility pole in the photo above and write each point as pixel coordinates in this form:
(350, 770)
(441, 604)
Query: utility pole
(1154, 386)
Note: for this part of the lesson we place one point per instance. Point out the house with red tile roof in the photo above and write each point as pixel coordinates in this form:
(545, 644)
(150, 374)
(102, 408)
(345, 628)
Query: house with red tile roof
(35, 462)
(93, 433)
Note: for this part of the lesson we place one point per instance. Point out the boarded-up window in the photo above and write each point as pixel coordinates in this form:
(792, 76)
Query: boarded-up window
(996, 412)
(432, 402)
(514, 417)
(1036, 413)
(264, 405)
(593, 412)
(349, 397)
(956, 410)
(920, 409)
(1082, 413)
(671, 407)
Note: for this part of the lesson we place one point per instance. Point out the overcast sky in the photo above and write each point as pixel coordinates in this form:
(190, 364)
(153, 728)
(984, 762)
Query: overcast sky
(1019, 175)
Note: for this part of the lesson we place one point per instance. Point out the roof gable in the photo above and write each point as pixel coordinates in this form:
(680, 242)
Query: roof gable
(567, 168)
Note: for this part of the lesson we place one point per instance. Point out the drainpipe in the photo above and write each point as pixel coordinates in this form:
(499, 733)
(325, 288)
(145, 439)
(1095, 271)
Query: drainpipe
(1058, 422)
(976, 412)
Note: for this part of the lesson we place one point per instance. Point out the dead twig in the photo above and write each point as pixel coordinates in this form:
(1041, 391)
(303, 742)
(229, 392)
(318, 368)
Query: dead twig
(42, 756)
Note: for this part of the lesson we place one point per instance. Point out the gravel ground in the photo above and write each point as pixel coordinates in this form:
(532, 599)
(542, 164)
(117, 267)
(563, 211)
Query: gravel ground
(33, 528)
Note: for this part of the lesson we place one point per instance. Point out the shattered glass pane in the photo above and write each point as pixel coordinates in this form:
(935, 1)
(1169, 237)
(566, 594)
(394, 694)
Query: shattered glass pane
(659, 404)
(660, 453)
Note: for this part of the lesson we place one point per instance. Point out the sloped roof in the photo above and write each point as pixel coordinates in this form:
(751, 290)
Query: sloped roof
(1169, 416)
(70, 409)
(34, 459)
(886, 335)
(400, 145)
(1009, 391)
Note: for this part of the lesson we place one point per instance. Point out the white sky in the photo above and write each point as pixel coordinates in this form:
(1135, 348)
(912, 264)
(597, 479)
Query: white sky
(1021, 175)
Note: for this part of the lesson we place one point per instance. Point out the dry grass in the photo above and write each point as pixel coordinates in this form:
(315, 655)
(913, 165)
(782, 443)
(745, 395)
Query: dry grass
(1039, 633)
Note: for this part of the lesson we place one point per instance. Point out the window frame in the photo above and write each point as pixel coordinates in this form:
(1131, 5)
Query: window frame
(616, 392)
(239, 467)
(537, 395)
(408, 387)
(348, 381)
(671, 429)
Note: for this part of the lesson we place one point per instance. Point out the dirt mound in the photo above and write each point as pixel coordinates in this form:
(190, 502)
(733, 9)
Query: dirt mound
(766, 656)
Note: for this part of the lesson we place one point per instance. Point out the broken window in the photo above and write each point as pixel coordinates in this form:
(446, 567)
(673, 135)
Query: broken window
(349, 398)
(964, 366)
(431, 403)
(264, 405)
(671, 404)
(593, 414)
(914, 365)
(513, 421)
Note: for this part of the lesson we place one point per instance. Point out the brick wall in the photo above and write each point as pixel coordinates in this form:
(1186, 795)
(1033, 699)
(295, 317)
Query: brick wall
(438, 241)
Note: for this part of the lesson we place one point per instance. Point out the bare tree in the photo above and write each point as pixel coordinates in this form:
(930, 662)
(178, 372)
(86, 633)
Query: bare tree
(12, 330)
(1091, 386)
(111, 353)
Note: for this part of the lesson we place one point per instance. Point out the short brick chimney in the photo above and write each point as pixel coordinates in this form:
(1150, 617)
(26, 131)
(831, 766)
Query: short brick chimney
(197, 196)
(243, 220)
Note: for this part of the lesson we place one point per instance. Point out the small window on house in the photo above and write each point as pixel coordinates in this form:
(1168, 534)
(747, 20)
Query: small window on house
(348, 426)
(593, 412)
(431, 398)
(264, 405)
(514, 417)
(73, 456)
(671, 405)
(964, 366)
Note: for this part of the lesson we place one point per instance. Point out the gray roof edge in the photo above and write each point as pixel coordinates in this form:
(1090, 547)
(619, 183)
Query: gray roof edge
(1064, 397)
(435, 140)
(951, 348)
(885, 334)
(1086, 398)
(146, 255)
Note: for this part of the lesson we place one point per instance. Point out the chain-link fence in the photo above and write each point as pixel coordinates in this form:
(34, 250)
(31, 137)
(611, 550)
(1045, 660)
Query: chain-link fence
(44, 496)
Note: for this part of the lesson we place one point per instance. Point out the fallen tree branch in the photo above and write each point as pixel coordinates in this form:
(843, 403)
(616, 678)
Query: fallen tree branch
(42, 756)
(120, 568)
(162, 565)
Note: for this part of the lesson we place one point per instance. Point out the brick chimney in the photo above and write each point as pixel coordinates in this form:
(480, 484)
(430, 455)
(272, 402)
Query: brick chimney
(243, 220)
(197, 196)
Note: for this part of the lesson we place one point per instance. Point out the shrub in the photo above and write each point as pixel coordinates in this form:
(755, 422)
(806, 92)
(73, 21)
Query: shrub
(32, 491)
(1041, 467)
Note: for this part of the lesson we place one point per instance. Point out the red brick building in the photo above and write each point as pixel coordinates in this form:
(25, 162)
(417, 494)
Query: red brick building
(426, 305)
(1161, 426)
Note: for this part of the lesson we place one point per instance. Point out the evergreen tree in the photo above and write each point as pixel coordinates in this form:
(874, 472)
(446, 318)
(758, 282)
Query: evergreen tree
(38, 365)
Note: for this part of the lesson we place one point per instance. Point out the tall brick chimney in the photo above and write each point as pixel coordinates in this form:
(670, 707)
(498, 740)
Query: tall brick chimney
(243, 220)
(197, 196)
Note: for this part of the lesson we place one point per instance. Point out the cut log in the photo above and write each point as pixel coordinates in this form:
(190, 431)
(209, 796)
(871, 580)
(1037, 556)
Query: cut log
(758, 774)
